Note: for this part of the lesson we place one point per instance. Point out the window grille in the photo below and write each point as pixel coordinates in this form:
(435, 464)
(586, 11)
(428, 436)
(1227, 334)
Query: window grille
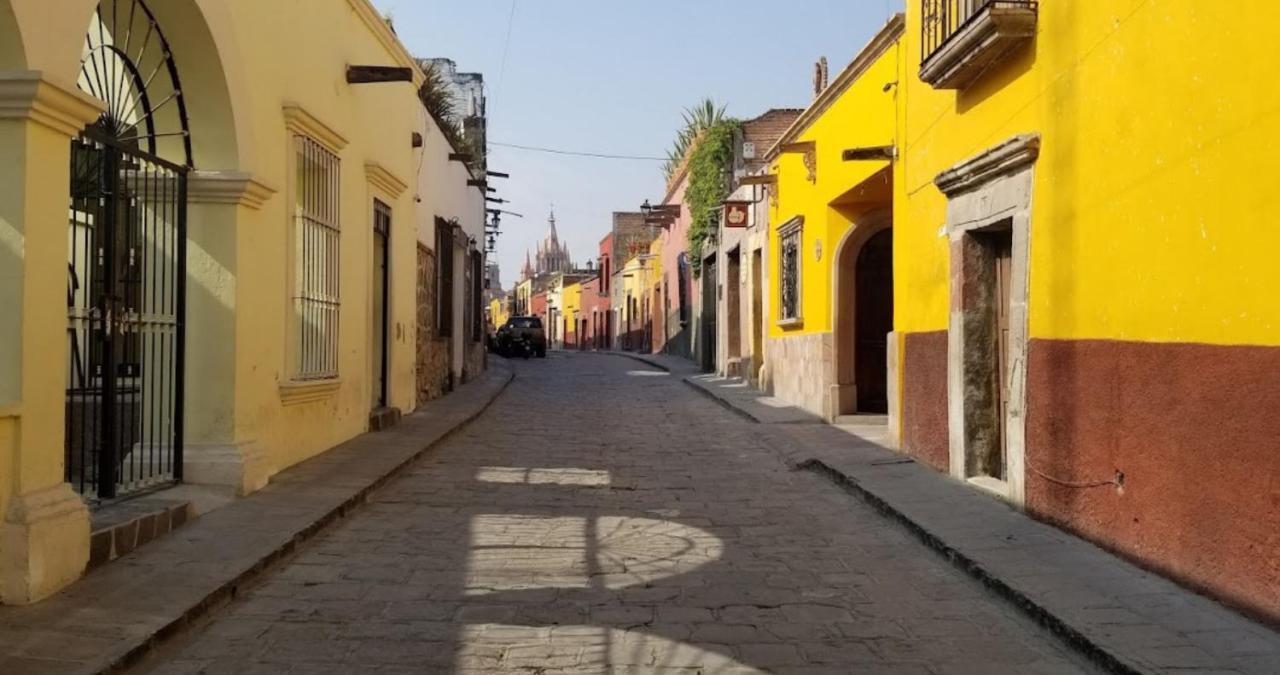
(789, 272)
(444, 277)
(317, 235)
(941, 20)
(477, 297)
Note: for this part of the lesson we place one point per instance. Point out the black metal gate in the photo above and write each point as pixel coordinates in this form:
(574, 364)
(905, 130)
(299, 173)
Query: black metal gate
(126, 294)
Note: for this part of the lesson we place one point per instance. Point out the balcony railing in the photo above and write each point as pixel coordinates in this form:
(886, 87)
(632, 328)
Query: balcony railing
(957, 33)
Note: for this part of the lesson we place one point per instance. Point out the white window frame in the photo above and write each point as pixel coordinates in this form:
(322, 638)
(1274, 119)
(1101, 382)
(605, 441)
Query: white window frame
(792, 228)
(316, 250)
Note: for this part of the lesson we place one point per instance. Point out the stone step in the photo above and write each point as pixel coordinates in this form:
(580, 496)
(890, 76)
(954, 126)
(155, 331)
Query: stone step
(118, 529)
(862, 420)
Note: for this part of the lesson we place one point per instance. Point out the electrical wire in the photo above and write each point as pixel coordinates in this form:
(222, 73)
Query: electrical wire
(1118, 481)
(596, 155)
(506, 47)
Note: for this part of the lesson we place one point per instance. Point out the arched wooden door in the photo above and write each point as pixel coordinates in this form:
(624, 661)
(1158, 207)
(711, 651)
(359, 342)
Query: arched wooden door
(873, 322)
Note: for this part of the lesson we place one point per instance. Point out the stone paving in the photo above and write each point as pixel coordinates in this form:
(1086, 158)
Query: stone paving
(603, 517)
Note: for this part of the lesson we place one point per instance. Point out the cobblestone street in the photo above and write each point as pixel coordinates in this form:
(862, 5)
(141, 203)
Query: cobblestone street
(551, 535)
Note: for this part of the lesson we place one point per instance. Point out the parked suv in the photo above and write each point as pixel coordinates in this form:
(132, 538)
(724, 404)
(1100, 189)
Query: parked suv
(523, 326)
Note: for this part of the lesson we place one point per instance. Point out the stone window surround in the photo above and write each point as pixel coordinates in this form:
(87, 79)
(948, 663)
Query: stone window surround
(795, 226)
(299, 122)
(990, 191)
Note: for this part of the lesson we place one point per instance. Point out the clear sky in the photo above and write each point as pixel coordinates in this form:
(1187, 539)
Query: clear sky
(613, 76)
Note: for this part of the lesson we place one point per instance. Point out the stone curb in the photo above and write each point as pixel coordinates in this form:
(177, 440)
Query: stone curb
(753, 411)
(55, 618)
(1077, 640)
(1192, 627)
(638, 357)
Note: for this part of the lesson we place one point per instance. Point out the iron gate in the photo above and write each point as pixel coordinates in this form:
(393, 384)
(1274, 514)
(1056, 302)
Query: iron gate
(126, 295)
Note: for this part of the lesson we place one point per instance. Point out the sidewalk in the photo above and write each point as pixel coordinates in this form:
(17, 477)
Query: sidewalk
(112, 616)
(1126, 619)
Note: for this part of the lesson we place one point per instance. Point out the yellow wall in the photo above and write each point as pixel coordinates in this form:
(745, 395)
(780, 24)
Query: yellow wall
(300, 61)
(241, 64)
(637, 279)
(862, 116)
(499, 311)
(572, 309)
(1159, 148)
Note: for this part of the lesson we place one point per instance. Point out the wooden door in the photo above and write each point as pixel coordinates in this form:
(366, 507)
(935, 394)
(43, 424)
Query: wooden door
(733, 306)
(757, 311)
(1003, 251)
(381, 298)
(873, 316)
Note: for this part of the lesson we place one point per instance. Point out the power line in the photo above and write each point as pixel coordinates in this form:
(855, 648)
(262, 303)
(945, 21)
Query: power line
(506, 46)
(597, 155)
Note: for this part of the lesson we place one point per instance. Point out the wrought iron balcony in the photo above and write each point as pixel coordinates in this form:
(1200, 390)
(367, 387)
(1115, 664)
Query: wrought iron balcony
(962, 39)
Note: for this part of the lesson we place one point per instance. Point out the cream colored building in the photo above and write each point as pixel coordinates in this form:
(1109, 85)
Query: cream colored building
(254, 174)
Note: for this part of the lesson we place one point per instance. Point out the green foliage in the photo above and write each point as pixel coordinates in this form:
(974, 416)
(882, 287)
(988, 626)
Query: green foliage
(697, 120)
(710, 165)
(438, 100)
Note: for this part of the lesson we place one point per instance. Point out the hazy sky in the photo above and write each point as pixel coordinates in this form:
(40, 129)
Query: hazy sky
(612, 76)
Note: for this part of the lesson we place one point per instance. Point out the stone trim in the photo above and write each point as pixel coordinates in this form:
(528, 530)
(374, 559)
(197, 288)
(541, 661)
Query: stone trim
(299, 121)
(894, 375)
(44, 543)
(31, 95)
(386, 37)
(989, 193)
(382, 179)
(885, 38)
(228, 187)
(1002, 160)
(794, 226)
(294, 393)
(993, 32)
(243, 467)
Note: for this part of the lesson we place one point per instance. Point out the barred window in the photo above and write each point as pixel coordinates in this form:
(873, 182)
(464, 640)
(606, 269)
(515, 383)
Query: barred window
(789, 271)
(316, 250)
(468, 295)
(477, 297)
(444, 277)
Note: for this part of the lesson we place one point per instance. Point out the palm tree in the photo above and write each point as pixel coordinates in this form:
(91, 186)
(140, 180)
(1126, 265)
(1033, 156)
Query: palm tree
(439, 102)
(697, 119)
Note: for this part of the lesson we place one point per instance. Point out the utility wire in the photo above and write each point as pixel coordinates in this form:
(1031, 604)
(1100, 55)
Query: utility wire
(597, 155)
(506, 47)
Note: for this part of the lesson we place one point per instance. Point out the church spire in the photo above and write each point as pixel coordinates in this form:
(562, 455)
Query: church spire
(551, 231)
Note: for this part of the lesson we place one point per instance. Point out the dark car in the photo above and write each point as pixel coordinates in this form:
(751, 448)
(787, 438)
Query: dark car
(529, 327)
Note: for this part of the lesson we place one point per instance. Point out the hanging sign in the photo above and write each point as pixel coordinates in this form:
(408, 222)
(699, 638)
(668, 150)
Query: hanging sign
(736, 214)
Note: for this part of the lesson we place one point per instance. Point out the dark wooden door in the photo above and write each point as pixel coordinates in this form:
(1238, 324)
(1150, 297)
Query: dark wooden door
(1003, 271)
(733, 286)
(709, 309)
(757, 311)
(873, 316)
(381, 281)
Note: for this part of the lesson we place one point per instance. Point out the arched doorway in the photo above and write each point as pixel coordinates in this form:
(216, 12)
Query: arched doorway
(873, 321)
(862, 313)
(126, 285)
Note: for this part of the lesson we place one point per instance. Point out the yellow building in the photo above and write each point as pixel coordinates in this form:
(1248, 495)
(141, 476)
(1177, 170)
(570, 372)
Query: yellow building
(831, 221)
(571, 296)
(639, 277)
(499, 311)
(1084, 273)
(523, 293)
(266, 303)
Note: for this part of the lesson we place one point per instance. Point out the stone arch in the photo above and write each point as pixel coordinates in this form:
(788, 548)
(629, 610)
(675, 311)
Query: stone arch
(203, 39)
(844, 306)
(13, 53)
(202, 36)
